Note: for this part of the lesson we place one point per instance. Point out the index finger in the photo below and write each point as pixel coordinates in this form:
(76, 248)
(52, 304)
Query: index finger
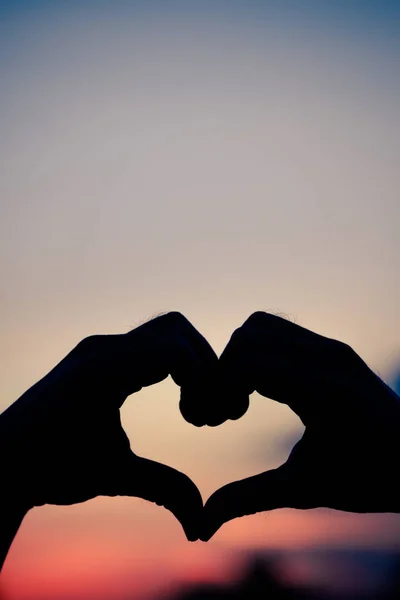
(288, 363)
(170, 344)
(166, 345)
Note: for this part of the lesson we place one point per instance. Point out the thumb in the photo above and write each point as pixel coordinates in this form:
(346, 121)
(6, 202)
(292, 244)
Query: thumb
(155, 482)
(266, 491)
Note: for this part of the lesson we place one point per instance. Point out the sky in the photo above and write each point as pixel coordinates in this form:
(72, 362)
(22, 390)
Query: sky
(214, 158)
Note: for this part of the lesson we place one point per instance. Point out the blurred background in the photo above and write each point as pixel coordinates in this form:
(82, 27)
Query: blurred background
(216, 158)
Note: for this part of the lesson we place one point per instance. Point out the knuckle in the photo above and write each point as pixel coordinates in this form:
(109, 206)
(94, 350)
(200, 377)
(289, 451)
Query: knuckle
(259, 317)
(342, 349)
(176, 318)
(240, 343)
(258, 320)
(88, 344)
(87, 352)
(344, 354)
(173, 321)
(175, 315)
(237, 335)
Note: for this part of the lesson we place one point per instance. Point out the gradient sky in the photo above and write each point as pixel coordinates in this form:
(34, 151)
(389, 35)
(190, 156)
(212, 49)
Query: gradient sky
(214, 158)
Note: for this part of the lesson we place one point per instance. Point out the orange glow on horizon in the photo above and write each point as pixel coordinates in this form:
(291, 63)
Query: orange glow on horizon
(105, 564)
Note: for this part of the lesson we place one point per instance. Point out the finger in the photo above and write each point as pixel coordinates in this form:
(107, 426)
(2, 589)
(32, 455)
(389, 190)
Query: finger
(167, 345)
(267, 491)
(179, 349)
(264, 337)
(155, 482)
(286, 362)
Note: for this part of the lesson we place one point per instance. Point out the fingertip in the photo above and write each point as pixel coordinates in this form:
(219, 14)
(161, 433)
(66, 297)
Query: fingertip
(240, 408)
(189, 411)
(171, 489)
(208, 532)
(192, 538)
(216, 420)
(212, 406)
(189, 513)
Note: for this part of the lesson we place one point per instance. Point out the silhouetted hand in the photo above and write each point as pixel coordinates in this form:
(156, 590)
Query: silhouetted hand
(348, 458)
(62, 442)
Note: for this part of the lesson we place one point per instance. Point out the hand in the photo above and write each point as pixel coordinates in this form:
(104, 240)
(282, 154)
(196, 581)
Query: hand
(62, 442)
(348, 458)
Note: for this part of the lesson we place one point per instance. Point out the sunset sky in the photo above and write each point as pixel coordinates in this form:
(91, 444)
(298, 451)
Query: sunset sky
(212, 157)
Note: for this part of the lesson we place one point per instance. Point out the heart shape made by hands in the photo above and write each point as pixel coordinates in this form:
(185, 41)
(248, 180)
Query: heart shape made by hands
(66, 443)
